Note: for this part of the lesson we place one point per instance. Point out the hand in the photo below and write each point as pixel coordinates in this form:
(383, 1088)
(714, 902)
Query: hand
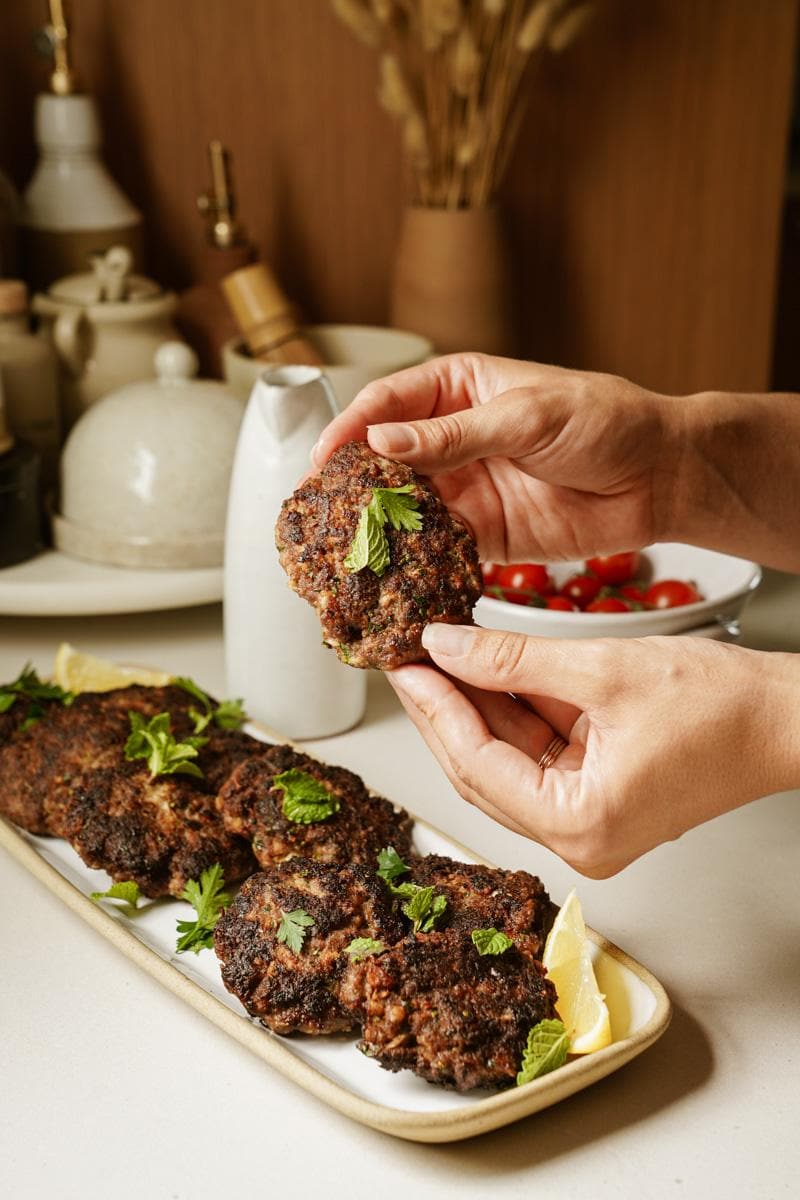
(663, 733)
(541, 463)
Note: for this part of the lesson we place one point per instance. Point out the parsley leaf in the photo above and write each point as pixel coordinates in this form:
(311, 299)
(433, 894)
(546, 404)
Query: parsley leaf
(547, 1048)
(361, 948)
(126, 890)
(305, 800)
(390, 864)
(229, 714)
(28, 686)
(491, 941)
(370, 547)
(422, 907)
(207, 898)
(293, 927)
(165, 756)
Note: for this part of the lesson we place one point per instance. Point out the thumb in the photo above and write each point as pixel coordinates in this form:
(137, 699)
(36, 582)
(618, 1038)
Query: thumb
(511, 425)
(579, 671)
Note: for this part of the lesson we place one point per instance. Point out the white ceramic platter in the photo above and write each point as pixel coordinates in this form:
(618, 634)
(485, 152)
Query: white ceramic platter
(332, 1068)
(54, 585)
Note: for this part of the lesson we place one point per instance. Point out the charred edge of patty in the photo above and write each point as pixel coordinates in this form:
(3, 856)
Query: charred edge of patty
(302, 992)
(436, 1007)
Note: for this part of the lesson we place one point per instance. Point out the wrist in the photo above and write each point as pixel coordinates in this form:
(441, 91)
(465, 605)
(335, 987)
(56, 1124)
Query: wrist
(782, 726)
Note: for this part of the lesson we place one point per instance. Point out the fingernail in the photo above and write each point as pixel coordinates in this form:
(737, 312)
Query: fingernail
(450, 640)
(315, 450)
(392, 439)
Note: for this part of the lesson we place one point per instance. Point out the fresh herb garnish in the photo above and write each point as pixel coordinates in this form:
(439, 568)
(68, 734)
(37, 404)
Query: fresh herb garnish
(165, 755)
(28, 686)
(127, 891)
(361, 948)
(229, 714)
(207, 898)
(370, 547)
(293, 928)
(491, 941)
(390, 864)
(305, 800)
(422, 907)
(547, 1048)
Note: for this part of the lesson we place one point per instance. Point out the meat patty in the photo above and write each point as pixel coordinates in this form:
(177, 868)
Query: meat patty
(433, 573)
(480, 897)
(252, 805)
(434, 1005)
(300, 991)
(159, 832)
(91, 732)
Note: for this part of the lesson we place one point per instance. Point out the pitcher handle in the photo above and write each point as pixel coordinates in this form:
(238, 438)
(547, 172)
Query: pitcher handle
(68, 342)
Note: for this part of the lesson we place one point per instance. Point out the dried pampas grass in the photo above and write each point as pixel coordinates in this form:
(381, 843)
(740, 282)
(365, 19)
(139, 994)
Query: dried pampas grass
(450, 74)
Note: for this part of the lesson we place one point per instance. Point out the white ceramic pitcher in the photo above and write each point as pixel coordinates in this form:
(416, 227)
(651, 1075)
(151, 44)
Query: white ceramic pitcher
(274, 655)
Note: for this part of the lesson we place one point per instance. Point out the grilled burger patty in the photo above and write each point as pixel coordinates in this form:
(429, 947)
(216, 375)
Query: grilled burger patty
(480, 897)
(434, 1005)
(89, 733)
(433, 574)
(252, 806)
(293, 991)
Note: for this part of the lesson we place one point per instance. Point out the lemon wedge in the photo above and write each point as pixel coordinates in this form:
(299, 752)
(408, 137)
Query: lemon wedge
(76, 672)
(581, 1005)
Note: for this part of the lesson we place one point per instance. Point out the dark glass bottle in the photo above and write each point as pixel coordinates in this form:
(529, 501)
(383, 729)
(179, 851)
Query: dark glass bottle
(20, 524)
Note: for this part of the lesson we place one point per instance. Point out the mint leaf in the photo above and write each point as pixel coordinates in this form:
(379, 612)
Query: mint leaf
(422, 907)
(127, 891)
(293, 928)
(547, 1048)
(491, 941)
(390, 864)
(29, 687)
(229, 714)
(361, 948)
(369, 547)
(154, 741)
(207, 898)
(306, 800)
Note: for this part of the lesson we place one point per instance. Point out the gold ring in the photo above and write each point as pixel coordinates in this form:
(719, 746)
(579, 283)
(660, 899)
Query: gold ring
(551, 753)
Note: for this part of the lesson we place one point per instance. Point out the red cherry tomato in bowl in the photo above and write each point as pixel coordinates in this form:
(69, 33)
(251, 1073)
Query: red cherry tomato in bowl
(514, 596)
(633, 591)
(614, 568)
(489, 572)
(526, 577)
(561, 604)
(581, 589)
(608, 604)
(671, 593)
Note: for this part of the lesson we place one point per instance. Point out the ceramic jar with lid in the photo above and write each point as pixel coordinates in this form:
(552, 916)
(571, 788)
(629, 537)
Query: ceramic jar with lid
(105, 326)
(145, 472)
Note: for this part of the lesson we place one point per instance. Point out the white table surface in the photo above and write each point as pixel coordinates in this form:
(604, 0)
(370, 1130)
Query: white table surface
(111, 1088)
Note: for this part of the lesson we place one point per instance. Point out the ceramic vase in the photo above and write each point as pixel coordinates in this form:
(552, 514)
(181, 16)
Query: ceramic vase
(274, 655)
(452, 280)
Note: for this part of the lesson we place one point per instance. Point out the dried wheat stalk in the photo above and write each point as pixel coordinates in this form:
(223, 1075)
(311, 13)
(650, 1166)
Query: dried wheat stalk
(451, 74)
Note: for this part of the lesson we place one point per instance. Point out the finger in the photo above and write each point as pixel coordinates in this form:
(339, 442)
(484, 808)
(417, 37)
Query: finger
(404, 396)
(513, 721)
(558, 713)
(514, 424)
(583, 673)
(497, 773)
(442, 756)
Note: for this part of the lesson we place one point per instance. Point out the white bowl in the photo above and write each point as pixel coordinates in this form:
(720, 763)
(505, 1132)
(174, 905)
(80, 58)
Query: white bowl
(724, 581)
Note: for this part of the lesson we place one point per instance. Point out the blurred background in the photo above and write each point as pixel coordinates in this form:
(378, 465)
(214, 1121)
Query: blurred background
(646, 206)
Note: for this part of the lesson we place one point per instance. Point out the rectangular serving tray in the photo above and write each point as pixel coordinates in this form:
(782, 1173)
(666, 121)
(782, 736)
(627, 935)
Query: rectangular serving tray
(331, 1068)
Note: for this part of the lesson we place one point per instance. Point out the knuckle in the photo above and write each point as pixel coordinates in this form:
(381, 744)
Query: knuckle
(445, 435)
(503, 654)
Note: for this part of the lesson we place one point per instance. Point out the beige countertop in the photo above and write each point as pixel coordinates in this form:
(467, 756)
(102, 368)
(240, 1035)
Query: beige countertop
(110, 1087)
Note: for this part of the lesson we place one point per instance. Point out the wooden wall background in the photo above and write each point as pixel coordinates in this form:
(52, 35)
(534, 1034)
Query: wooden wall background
(643, 203)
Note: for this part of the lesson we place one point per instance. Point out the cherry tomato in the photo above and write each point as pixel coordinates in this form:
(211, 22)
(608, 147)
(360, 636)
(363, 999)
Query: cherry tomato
(614, 568)
(561, 604)
(489, 571)
(632, 591)
(671, 593)
(514, 596)
(609, 604)
(528, 577)
(581, 589)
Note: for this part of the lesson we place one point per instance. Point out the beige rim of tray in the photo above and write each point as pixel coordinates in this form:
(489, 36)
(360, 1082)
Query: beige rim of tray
(446, 1126)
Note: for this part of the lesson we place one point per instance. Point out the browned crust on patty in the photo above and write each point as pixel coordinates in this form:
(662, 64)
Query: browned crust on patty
(433, 575)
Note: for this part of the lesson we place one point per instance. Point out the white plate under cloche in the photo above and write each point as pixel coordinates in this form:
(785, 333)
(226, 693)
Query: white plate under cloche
(54, 585)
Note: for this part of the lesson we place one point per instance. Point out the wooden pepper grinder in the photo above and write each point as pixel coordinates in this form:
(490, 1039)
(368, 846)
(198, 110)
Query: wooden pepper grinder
(267, 318)
(203, 317)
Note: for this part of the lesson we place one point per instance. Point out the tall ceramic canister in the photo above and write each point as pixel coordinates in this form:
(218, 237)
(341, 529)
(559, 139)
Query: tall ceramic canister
(274, 655)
